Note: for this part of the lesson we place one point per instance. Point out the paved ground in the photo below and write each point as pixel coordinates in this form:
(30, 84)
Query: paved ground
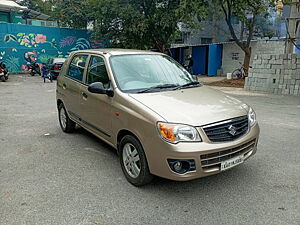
(48, 177)
(207, 79)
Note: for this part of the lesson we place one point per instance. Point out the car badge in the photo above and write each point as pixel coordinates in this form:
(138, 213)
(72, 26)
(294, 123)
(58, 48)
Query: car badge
(232, 130)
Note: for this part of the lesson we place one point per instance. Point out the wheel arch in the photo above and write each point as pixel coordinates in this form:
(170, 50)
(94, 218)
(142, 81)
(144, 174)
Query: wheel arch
(58, 102)
(122, 133)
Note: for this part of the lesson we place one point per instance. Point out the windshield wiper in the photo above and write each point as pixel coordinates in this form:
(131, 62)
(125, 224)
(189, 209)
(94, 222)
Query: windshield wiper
(194, 83)
(161, 86)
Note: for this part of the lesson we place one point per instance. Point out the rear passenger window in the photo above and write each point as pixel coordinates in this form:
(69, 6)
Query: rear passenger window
(77, 66)
(97, 71)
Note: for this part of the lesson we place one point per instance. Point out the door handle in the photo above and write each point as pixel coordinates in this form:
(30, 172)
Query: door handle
(84, 95)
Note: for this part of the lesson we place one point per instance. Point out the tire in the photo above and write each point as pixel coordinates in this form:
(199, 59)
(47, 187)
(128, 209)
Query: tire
(136, 159)
(237, 74)
(3, 79)
(66, 124)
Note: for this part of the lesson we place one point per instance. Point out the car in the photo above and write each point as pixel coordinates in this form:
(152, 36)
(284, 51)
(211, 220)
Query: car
(158, 117)
(54, 66)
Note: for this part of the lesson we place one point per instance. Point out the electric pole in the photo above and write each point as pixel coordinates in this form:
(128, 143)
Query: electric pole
(291, 32)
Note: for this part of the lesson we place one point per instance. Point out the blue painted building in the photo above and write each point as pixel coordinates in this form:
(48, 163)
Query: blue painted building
(207, 58)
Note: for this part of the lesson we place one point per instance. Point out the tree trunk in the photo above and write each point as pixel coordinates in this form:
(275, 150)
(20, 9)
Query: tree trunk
(242, 31)
(161, 47)
(247, 59)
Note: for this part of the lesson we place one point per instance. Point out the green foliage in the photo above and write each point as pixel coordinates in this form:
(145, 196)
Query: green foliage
(126, 23)
(40, 5)
(140, 24)
(69, 13)
(247, 12)
(73, 13)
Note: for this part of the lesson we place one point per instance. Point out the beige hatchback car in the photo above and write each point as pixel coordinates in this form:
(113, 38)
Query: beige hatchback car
(159, 118)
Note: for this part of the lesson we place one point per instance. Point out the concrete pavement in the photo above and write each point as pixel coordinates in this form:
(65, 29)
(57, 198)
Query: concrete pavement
(49, 177)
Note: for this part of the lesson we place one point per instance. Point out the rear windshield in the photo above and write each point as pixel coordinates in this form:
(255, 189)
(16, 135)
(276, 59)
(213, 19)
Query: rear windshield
(59, 60)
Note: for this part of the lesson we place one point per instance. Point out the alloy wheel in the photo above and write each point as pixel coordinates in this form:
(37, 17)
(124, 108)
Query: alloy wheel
(63, 118)
(131, 160)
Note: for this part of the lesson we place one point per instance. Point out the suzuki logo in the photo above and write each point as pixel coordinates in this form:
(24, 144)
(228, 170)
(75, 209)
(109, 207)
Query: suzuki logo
(232, 130)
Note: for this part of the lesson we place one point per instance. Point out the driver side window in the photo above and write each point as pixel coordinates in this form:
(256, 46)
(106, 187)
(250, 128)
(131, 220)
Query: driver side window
(97, 71)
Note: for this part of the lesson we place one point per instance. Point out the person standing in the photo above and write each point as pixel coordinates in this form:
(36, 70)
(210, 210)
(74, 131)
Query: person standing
(45, 74)
(190, 64)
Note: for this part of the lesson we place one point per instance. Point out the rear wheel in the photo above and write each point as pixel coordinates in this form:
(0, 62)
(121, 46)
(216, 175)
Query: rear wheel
(66, 124)
(6, 76)
(237, 74)
(134, 162)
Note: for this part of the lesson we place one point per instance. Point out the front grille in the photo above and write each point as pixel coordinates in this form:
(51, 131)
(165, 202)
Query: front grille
(215, 159)
(228, 130)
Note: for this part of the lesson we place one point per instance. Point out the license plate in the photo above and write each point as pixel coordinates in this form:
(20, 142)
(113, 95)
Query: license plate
(232, 162)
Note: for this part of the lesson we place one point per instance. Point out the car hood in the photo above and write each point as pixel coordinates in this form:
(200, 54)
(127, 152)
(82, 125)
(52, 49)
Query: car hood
(194, 106)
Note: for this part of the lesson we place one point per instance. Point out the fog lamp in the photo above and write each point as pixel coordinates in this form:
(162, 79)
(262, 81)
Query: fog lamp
(177, 166)
(182, 166)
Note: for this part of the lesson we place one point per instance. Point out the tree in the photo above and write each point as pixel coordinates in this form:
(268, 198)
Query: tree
(69, 13)
(248, 12)
(73, 13)
(38, 5)
(138, 24)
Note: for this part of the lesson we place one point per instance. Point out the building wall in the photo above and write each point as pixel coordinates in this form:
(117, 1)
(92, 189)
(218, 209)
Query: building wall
(233, 55)
(279, 74)
(11, 17)
(18, 42)
(210, 32)
(4, 17)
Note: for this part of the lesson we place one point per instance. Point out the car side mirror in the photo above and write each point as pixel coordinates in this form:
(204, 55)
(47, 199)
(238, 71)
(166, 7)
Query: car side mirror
(98, 88)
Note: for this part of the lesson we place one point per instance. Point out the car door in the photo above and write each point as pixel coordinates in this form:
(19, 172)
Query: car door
(96, 108)
(72, 84)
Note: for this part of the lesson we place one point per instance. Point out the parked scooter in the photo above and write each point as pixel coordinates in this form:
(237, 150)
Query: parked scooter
(3, 72)
(34, 69)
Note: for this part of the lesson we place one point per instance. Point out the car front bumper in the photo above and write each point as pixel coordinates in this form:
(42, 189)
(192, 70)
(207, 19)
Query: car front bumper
(208, 156)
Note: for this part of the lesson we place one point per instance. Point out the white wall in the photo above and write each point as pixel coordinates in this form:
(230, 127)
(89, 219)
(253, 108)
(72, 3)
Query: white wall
(232, 54)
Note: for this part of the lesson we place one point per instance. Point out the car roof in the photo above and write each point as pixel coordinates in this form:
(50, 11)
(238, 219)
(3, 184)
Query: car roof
(117, 51)
(59, 58)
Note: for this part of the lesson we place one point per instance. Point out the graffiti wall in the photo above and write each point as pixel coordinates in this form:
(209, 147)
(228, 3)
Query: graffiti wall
(19, 42)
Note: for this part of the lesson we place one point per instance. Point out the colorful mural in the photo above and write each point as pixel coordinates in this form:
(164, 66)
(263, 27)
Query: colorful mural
(20, 44)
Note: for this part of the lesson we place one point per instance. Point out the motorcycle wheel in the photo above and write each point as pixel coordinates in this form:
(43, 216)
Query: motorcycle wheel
(237, 74)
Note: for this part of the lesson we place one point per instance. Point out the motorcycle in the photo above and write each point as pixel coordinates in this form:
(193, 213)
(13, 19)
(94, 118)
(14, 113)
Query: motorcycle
(3, 72)
(34, 68)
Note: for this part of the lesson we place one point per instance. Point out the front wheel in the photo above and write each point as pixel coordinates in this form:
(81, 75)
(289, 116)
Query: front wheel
(66, 124)
(134, 162)
(237, 74)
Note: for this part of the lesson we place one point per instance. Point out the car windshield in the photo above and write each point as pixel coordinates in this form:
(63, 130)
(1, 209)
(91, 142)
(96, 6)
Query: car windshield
(149, 73)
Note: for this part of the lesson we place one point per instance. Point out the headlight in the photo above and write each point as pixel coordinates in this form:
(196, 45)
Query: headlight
(251, 117)
(175, 133)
